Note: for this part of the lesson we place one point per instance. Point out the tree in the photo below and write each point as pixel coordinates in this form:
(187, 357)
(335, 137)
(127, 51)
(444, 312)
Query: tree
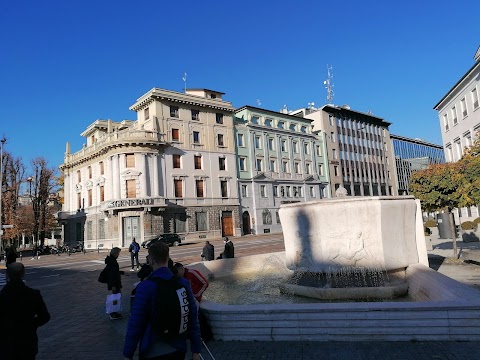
(438, 188)
(469, 168)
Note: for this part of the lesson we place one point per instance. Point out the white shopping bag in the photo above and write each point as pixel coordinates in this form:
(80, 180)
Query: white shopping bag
(114, 303)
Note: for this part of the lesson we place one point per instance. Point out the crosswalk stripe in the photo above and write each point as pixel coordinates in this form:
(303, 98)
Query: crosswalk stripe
(3, 279)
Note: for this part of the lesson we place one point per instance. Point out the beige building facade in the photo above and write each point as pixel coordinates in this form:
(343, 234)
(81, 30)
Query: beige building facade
(173, 169)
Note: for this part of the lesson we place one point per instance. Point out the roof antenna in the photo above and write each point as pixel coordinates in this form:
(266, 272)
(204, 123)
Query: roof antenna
(329, 85)
(184, 78)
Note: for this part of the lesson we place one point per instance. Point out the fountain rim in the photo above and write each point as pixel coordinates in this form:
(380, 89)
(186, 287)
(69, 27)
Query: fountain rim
(350, 199)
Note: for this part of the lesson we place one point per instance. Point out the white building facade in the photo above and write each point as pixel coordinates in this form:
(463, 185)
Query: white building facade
(171, 170)
(459, 116)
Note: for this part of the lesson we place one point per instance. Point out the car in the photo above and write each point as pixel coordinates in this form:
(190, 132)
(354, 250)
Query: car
(168, 238)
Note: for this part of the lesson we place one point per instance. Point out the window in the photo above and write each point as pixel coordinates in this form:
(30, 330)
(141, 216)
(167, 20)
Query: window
(89, 172)
(458, 149)
(196, 137)
(475, 98)
(266, 217)
(259, 165)
(130, 160)
(292, 127)
(244, 191)
(334, 153)
(201, 221)
(175, 135)
(197, 161)
(284, 145)
(90, 197)
(221, 163)
(79, 176)
(102, 193)
(240, 140)
(220, 140)
(320, 169)
(308, 168)
(468, 139)
(332, 137)
(195, 115)
(273, 166)
(224, 188)
(445, 122)
(146, 113)
(263, 191)
(174, 111)
(454, 115)
(178, 188)
(318, 150)
(219, 118)
(335, 170)
(271, 144)
(285, 166)
(307, 148)
(255, 119)
(241, 163)
(303, 129)
(281, 125)
(295, 147)
(131, 188)
(101, 228)
(296, 167)
(89, 233)
(199, 188)
(275, 191)
(312, 191)
(463, 104)
(180, 222)
(176, 161)
(102, 167)
(295, 191)
(258, 142)
(300, 191)
(288, 192)
(268, 122)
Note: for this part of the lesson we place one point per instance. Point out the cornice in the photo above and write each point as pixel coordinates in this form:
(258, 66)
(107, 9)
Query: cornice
(157, 94)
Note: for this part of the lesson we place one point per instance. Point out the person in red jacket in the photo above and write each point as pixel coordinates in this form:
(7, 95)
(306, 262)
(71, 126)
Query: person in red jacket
(197, 281)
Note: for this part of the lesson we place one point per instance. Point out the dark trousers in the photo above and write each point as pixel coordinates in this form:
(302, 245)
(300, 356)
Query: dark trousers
(134, 256)
(177, 355)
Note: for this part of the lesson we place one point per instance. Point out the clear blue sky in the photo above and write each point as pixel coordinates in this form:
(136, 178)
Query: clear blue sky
(64, 64)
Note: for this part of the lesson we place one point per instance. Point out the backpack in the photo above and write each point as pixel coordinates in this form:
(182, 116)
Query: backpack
(102, 278)
(171, 308)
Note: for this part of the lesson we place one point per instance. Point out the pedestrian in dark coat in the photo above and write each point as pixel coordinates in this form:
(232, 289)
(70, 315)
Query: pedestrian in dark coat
(23, 311)
(134, 249)
(229, 251)
(114, 281)
(208, 252)
(11, 256)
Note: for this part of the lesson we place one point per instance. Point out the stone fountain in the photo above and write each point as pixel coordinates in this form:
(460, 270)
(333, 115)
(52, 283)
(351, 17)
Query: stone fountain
(380, 235)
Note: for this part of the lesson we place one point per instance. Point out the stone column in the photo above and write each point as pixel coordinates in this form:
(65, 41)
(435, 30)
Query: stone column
(67, 192)
(156, 183)
(144, 176)
(110, 179)
(116, 175)
(23, 239)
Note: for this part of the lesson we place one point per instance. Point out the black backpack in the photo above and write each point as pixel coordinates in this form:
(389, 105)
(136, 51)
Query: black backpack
(170, 311)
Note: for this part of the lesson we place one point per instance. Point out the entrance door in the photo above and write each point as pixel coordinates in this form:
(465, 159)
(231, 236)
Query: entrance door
(227, 223)
(131, 229)
(246, 223)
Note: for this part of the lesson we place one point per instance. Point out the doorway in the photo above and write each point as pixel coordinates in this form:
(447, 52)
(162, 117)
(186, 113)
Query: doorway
(246, 223)
(227, 223)
(131, 229)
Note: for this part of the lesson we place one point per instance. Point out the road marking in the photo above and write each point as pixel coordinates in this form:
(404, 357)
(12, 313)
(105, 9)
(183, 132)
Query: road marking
(46, 276)
(3, 279)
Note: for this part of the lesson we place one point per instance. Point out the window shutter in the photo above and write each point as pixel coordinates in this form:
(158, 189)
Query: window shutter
(102, 193)
(175, 134)
(130, 160)
(131, 189)
(198, 162)
(176, 161)
(199, 185)
(178, 188)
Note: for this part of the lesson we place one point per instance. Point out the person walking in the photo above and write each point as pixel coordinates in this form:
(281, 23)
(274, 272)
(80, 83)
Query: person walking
(114, 280)
(197, 281)
(134, 249)
(229, 250)
(23, 311)
(11, 256)
(148, 319)
(208, 251)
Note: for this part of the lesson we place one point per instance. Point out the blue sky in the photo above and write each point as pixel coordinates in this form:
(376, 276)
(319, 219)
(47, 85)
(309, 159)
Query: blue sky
(64, 64)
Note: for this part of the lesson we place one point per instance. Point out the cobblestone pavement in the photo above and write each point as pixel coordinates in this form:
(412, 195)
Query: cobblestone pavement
(80, 329)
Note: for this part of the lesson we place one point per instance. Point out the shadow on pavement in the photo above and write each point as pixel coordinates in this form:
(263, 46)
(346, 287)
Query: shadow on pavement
(435, 261)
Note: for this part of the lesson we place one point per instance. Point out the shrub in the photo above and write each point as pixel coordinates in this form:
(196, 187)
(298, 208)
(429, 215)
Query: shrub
(477, 220)
(430, 223)
(469, 225)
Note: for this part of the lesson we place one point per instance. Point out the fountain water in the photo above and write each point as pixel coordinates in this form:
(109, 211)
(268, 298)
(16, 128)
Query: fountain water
(331, 248)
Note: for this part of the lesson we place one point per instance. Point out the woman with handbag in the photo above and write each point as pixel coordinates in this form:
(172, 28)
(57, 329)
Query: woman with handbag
(114, 283)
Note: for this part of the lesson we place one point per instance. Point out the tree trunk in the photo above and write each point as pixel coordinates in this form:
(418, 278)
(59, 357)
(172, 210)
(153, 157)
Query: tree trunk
(453, 232)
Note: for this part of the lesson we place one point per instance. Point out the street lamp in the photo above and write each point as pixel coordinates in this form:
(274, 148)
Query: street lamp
(2, 142)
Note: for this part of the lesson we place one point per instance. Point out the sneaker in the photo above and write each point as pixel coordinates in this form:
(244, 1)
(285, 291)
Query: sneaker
(115, 316)
(132, 269)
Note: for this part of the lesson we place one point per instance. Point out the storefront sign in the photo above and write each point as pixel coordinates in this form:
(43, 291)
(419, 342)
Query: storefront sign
(129, 203)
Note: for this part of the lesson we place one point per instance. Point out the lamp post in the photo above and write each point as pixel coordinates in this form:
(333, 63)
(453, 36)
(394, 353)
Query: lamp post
(2, 142)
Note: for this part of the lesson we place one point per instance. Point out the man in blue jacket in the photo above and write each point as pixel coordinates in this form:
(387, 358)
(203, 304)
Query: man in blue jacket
(141, 329)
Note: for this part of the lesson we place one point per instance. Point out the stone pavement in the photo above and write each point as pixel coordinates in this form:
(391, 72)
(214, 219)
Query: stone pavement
(80, 329)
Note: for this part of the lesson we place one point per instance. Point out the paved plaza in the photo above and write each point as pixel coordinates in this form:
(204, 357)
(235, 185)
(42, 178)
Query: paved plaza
(80, 329)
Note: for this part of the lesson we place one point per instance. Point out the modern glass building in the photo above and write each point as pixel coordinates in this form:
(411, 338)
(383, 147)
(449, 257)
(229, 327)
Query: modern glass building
(412, 155)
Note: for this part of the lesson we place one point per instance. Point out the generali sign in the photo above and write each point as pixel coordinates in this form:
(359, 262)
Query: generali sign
(129, 203)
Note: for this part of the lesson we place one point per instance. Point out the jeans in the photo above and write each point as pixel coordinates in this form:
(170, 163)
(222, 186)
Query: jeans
(134, 256)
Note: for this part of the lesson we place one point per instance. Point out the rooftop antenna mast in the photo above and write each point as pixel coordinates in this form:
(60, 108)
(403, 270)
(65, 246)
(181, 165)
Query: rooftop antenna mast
(184, 78)
(329, 85)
